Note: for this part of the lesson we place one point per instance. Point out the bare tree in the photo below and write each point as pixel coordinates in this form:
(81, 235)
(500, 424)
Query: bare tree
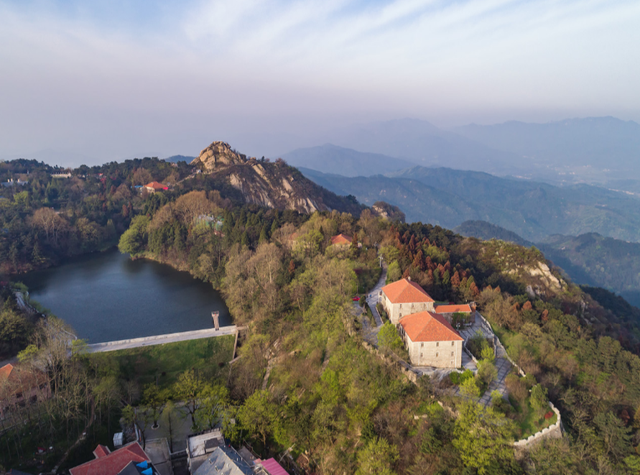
(50, 222)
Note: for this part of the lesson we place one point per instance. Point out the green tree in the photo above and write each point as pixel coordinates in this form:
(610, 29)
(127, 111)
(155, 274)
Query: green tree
(394, 272)
(215, 399)
(377, 458)
(613, 433)
(483, 438)
(134, 239)
(155, 399)
(488, 354)
(388, 338)
(487, 371)
(188, 388)
(469, 388)
(538, 399)
(258, 415)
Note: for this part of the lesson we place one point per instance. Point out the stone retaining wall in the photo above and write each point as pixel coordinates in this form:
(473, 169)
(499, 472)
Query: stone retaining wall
(554, 431)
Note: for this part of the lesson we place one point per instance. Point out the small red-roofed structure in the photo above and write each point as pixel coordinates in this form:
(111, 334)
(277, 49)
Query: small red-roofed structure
(431, 340)
(155, 186)
(341, 240)
(272, 467)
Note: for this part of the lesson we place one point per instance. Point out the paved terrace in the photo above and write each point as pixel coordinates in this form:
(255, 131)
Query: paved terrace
(162, 339)
(502, 363)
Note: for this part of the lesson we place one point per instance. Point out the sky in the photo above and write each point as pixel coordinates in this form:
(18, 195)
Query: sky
(108, 80)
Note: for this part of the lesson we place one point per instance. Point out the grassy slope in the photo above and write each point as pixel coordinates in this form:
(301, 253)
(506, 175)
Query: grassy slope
(166, 362)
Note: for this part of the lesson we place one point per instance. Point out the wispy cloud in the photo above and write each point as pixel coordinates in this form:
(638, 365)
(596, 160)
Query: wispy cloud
(73, 64)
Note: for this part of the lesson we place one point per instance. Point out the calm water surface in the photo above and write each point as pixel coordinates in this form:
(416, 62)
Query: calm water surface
(107, 297)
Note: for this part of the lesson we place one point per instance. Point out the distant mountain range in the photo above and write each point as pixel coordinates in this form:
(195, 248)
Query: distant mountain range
(597, 142)
(592, 150)
(533, 210)
(179, 158)
(589, 259)
(344, 161)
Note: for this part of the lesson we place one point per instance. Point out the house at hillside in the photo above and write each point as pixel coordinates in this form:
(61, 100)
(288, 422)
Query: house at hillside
(404, 297)
(341, 240)
(448, 312)
(130, 459)
(224, 461)
(155, 186)
(21, 385)
(431, 340)
(200, 446)
(13, 182)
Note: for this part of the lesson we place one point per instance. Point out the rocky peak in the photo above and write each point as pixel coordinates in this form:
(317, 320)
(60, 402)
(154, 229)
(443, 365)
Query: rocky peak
(217, 155)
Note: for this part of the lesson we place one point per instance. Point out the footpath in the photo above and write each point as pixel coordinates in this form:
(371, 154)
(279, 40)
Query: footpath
(370, 332)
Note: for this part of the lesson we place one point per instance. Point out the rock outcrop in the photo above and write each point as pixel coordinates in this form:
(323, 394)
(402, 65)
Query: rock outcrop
(271, 184)
(217, 155)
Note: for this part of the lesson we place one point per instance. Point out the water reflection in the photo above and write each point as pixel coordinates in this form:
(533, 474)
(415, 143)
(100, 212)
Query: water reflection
(108, 297)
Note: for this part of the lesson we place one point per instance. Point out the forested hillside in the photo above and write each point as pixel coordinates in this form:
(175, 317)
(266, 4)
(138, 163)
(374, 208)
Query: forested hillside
(304, 379)
(589, 259)
(533, 210)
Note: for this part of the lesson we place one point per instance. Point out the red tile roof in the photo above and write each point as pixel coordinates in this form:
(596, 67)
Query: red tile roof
(428, 326)
(341, 239)
(101, 451)
(453, 308)
(5, 371)
(273, 467)
(112, 463)
(156, 186)
(406, 291)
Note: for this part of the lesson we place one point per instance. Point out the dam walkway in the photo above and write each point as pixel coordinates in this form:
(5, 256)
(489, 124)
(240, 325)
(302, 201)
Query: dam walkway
(162, 339)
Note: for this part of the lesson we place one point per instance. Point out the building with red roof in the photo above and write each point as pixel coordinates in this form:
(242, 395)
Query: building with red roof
(448, 311)
(404, 297)
(431, 340)
(130, 457)
(341, 240)
(20, 385)
(155, 186)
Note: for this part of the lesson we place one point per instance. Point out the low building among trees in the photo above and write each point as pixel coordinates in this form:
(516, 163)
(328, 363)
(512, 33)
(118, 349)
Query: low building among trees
(130, 459)
(155, 186)
(467, 312)
(341, 240)
(21, 385)
(431, 340)
(404, 297)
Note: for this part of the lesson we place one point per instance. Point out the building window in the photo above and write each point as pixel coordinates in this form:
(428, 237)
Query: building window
(437, 355)
(451, 343)
(420, 355)
(452, 353)
(437, 343)
(421, 345)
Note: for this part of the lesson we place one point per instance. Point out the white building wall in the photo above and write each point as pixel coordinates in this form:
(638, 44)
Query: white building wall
(441, 354)
(399, 310)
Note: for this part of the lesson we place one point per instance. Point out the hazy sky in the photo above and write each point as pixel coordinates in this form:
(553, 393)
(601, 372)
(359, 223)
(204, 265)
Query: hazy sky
(108, 80)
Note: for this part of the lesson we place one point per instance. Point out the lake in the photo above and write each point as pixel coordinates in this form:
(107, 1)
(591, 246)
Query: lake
(107, 296)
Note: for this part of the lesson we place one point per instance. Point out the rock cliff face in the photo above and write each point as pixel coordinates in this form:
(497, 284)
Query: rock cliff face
(218, 155)
(272, 184)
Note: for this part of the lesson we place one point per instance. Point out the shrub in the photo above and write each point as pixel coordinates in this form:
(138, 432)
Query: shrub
(459, 378)
(487, 371)
(469, 388)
